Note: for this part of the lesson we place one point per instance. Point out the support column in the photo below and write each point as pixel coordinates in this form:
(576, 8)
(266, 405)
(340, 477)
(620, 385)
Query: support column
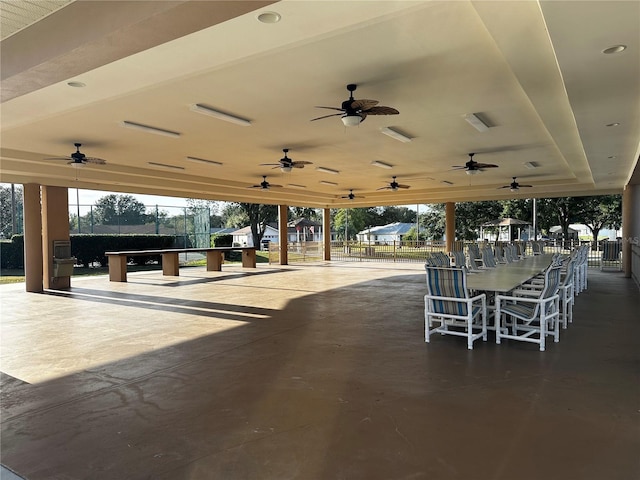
(55, 226)
(450, 229)
(326, 232)
(283, 217)
(629, 225)
(32, 218)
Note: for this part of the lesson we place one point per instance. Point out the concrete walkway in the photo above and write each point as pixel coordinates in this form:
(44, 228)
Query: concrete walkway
(308, 372)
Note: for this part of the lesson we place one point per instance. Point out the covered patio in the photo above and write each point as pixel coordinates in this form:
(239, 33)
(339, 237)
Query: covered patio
(308, 372)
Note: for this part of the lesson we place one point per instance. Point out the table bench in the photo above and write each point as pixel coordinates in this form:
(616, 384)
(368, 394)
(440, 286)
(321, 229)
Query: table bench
(170, 264)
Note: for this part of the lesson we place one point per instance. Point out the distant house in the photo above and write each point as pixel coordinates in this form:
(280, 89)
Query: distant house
(394, 232)
(303, 230)
(243, 236)
(222, 231)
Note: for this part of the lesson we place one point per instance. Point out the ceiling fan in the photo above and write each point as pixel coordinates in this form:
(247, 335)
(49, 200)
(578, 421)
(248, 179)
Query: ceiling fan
(79, 159)
(393, 185)
(286, 164)
(515, 186)
(264, 185)
(353, 112)
(351, 195)
(472, 167)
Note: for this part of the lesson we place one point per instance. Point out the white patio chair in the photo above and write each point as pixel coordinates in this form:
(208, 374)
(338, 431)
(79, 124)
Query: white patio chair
(533, 317)
(451, 305)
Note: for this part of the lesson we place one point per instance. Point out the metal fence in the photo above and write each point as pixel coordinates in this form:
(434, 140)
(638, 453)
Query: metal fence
(190, 227)
(606, 254)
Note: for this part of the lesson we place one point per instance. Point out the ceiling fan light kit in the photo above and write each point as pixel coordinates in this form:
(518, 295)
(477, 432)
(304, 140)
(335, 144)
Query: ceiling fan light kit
(352, 112)
(149, 129)
(351, 120)
(473, 172)
(476, 122)
(205, 110)
(395, 134)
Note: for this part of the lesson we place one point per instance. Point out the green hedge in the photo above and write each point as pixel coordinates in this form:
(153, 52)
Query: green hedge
(221, 240)
(90, 248)
(12, 252)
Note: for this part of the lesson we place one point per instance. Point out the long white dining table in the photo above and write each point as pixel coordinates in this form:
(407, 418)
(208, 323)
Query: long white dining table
(506, 277)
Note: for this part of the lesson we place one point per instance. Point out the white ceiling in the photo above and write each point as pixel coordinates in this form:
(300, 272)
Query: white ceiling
(534, 70)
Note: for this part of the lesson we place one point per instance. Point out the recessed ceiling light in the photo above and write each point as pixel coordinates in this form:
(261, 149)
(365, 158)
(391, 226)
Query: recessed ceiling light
(76, 84)
(614, 124)
(531, 164)
(377, 163)
(269, 17)
(611, 157)
(614, 49)
(331, 184)
(295, 185)
(327, 170)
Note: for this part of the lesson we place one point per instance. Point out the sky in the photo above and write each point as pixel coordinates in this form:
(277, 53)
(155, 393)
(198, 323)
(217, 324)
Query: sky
(89, 197)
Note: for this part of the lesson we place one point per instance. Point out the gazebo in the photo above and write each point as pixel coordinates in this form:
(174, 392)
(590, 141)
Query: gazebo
(504, 222)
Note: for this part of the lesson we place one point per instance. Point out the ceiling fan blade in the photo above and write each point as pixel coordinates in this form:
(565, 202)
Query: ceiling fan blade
(403, 186)
(297, 165)
(275, 186)
(505, 186)
(94, 160)
(363, 104)
(525, 186)
(381, 111)
(327, 116)
(58, 158)
(269, 164)
(302, 162)
(485, 165)
(331, 108)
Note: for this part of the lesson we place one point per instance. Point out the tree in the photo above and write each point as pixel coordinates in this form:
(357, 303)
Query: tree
(312, 214)
(259, 216)
(118, 210)
(350, 221)
(432, 223)
(600, 212)
(214, 207)
(469, 217)
(10, 211)
(234, 216)
(565, 210)
(389, 215)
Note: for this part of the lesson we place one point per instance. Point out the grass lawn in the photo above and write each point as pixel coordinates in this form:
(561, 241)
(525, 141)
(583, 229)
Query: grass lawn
(16, 276)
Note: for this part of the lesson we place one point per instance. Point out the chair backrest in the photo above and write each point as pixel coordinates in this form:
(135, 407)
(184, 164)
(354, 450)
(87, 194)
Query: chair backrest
(473, 256)
(569, 273)
(487, 258)
(473, 247)
(508, 254)
(459, 259)
(438, 259)
(537, 248)
(447, 282)
(551, 281)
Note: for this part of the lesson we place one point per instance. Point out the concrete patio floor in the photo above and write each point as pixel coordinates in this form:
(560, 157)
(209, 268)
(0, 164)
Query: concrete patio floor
(308, 372)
